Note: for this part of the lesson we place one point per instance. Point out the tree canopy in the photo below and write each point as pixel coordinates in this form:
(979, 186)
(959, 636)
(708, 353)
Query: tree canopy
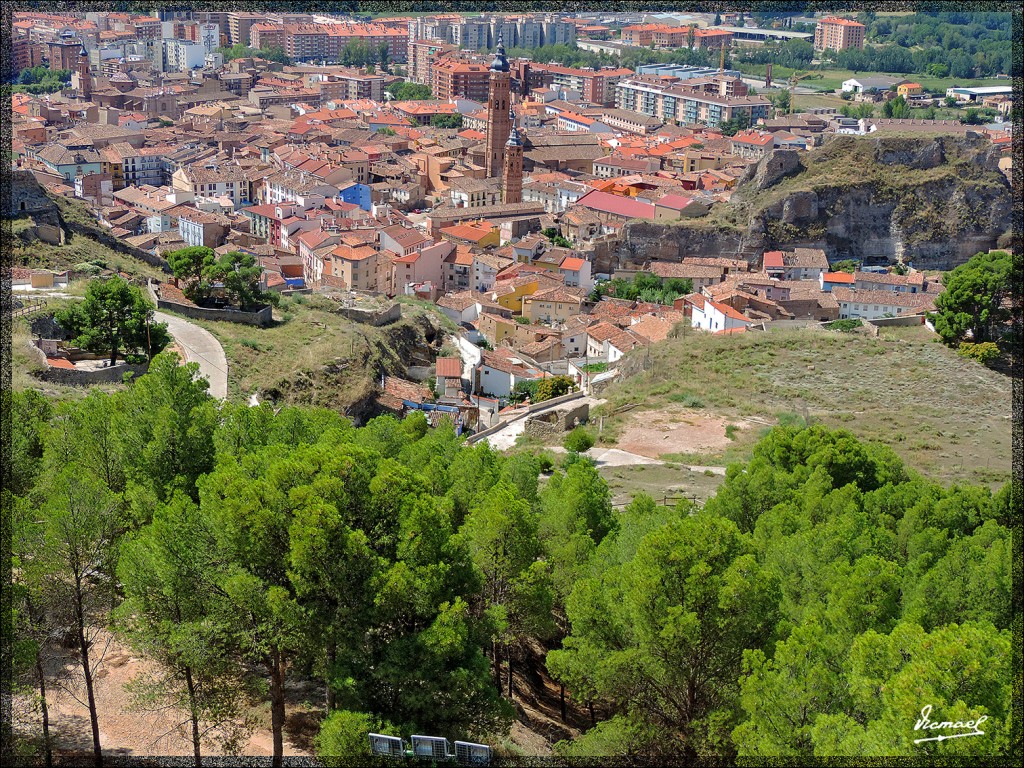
(812, 607)
(974, 303)
(114, 319)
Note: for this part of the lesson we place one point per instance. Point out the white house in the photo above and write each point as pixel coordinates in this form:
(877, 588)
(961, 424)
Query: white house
(872, 304)
(499, 372)
(575, 273)
(709, 315)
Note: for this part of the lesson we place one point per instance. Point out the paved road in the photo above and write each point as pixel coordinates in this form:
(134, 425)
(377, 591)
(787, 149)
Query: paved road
(200, 346)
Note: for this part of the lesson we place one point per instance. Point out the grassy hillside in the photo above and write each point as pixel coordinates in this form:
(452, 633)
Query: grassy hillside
(313, 355)
(946, 416)
(76, 249)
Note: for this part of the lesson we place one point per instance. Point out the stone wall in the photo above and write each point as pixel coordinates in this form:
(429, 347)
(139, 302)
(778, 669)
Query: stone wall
(372, 317)
(261, 318)
(83, 378)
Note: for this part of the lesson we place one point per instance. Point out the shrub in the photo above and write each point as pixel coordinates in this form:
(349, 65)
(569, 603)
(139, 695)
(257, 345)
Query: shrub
(343, 737)
(846, 326)
(547, 464)
(985, 353)
(686, 399)
(579, 440)
(522, 320)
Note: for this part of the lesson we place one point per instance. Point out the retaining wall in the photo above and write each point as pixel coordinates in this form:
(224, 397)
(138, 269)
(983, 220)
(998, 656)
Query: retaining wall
(82, 378)
(261, 318)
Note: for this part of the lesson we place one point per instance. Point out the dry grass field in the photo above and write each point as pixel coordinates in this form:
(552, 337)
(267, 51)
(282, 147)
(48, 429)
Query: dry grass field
(947, 417)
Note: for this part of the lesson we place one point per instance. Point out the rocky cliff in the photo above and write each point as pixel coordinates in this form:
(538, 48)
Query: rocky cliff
(932, 201)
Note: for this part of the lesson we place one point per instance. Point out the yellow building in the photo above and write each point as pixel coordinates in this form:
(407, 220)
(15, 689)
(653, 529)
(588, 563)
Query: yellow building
(909, 89)
(553, 305)
(510, 293)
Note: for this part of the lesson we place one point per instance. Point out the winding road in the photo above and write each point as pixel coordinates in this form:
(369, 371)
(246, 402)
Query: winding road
(200, 346)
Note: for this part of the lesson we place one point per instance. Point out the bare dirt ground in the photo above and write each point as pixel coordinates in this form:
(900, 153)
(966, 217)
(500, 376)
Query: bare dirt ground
(677, 431)
(126, 732)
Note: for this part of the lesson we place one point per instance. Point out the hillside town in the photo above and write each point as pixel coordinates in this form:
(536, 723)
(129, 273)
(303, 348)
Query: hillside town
(422, 383)
(494, 187)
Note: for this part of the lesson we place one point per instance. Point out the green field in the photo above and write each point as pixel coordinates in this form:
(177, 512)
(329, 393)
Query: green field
(832, 79)
(948, 417)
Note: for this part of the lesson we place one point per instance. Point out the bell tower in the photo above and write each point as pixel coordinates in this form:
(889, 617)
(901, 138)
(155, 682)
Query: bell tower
(84, 75)
(498, 107)
(512, 176)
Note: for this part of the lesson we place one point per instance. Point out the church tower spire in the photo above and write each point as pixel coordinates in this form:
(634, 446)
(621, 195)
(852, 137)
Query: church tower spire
(84, 75)
(498, 107)
(512, 175)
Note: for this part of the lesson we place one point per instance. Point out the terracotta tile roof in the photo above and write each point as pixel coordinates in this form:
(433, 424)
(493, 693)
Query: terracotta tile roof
(616, 205)
(838, 277)
(448, 367)
(921, 301)
(458, 301)
(774, 259)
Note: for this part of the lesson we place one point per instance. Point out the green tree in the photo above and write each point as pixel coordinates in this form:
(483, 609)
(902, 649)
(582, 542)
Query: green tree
(239, 274)
(165, 424)
(661, 638)
(985, 353)
(75, 562)
(575, 516)
(447, 121)
(190, 265)
(30, 413)
(342, 738)
(501, 533)
(554, 386)
(405, 91)
(168, 572)
(115, 318)
(961, 671)
(973, 305)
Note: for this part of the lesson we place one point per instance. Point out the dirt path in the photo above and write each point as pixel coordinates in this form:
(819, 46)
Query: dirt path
(125, 732)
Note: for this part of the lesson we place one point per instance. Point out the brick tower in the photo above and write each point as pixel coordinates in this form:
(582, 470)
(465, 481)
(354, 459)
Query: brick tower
(84, 75)
(498, 108)
(512, 177)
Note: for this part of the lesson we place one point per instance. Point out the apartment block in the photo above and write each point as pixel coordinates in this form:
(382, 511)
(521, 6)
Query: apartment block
(459, 79)
(837, 34)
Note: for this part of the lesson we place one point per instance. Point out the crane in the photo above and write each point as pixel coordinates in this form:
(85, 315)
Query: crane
(793, 80)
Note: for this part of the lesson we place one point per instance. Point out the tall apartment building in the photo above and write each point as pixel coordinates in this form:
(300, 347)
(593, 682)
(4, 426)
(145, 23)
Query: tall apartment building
(63, 53)
(706, 101)
(421, 57)
(471, 34)
(25, 54)
(239, 24)
(594, 85)
(456, 78)
(183, 55)
(837, 34)
(266, 35)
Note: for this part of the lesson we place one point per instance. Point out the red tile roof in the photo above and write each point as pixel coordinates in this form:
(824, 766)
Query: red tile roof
(838, 277)
(773, 259)
(616, 205)
(675, 202)
(449, 367)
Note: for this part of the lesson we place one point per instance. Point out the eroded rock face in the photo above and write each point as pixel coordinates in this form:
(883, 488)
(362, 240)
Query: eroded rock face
(774, 167)
(932, 201)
